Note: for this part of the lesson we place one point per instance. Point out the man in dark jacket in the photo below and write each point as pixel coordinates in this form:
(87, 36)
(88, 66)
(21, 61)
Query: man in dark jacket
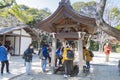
(4, 59)
(28, 58)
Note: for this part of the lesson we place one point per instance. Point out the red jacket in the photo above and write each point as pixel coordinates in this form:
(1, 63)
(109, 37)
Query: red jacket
(107, 49)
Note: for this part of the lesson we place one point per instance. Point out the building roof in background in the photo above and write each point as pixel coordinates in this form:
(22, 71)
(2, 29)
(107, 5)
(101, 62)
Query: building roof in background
(6, 30)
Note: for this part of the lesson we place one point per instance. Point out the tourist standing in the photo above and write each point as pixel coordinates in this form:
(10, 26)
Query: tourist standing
(28, 58)
(87, 57)
(68, 57)
(107, 49)
(58, 57)
(9, 50)
(4, 59)
(45, 56)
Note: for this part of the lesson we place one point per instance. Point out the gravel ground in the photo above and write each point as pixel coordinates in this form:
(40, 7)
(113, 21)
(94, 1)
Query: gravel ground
(100, 70)
(40, 76)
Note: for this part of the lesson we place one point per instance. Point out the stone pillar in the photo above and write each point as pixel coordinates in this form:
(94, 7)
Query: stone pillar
(80, 52)
(53, 52)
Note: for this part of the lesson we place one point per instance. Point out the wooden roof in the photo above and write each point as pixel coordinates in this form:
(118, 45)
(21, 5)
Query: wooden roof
(66, 22)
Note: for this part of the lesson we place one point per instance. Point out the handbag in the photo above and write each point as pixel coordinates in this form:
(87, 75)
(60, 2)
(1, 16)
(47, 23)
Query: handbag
(23, 56)
(40, 54)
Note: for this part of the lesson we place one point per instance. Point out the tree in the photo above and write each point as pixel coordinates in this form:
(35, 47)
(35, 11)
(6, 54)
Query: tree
(24, 14)
(6, 17)
(115, 14)
(111, 16)
(118, 27)
(14, 10)
(21, 15)
(36, 15)
(6, 3)
(102, 24)
(87, 9)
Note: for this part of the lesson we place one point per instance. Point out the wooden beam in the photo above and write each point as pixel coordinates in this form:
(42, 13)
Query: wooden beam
(65, 25)
(3, 39)
(67, 35)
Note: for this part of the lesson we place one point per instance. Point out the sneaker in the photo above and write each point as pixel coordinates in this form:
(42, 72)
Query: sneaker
(65, 76)
(60, 65)
(68, 75)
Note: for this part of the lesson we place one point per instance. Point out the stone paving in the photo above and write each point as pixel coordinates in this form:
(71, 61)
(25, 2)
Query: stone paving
(100, 70)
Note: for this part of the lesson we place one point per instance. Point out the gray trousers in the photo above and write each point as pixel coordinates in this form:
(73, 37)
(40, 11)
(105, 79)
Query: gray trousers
(68, 67)
(107, 58)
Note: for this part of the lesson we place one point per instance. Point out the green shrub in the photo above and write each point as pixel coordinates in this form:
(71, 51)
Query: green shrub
(118, 49)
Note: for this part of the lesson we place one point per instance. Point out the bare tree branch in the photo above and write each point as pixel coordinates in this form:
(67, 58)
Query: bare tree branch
(100, 9)
(102, 24)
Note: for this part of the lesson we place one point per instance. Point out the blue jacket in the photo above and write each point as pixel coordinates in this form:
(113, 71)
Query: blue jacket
(3, 53)
(45, 52)
(58, 52)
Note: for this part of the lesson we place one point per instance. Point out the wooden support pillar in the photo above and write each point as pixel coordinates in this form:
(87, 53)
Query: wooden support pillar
(80, 52)
(53, 52)
(14, 44)
(3, 39)
(20, 41)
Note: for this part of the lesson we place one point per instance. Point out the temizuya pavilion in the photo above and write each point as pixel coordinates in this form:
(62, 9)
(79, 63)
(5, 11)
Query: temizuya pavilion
(66, 23)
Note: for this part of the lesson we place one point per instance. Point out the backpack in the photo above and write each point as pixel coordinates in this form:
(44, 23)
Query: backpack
(70, 54)
(75, 71)
(24, 54)
(27, 55)
(91, 53)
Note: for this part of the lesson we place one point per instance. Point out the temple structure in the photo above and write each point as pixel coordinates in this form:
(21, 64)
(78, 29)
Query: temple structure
(65, 23)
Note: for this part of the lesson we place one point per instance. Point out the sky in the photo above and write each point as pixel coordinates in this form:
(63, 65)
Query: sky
(53, 4)
(41, 4)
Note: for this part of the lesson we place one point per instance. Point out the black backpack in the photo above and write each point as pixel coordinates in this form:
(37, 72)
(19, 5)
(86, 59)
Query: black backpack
(75, 71)
(91, 53)
(70, 54)
(27, 55)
